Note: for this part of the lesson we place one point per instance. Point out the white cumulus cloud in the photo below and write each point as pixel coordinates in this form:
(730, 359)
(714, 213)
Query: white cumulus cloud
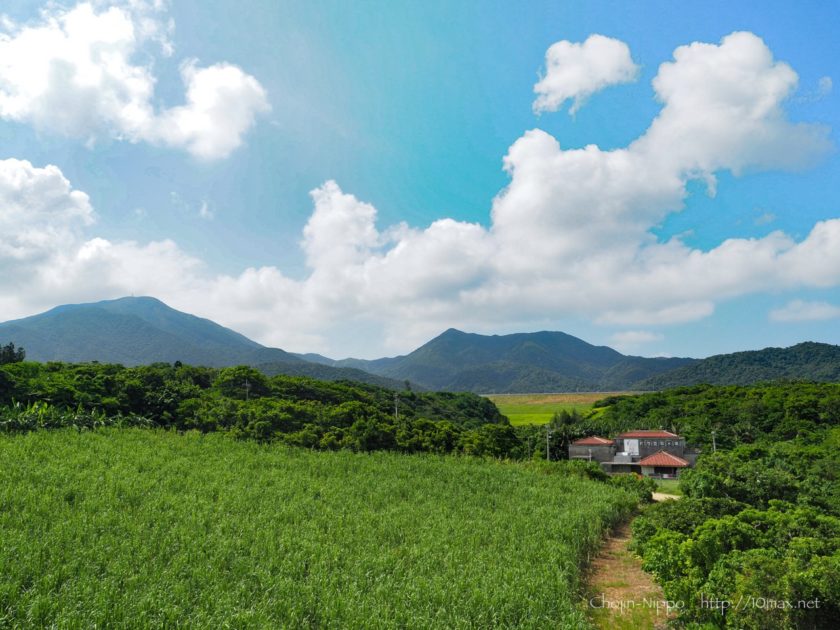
(575, 71)
(84, 72)
(802, 311)
(39, 211)
(570, 236)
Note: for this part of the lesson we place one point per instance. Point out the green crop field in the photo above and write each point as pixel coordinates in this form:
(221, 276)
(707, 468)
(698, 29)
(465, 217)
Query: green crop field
(149, 528)
(540, 408)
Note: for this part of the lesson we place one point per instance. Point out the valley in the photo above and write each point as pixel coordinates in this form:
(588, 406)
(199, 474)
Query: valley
(537, 409)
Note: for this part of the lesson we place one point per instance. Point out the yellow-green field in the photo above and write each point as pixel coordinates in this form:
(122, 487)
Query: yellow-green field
(539, 408)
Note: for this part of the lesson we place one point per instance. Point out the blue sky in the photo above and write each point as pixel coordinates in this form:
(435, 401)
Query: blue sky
(411, 107)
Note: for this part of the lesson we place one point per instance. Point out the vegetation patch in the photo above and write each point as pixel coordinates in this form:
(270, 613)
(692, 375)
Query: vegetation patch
(669, 486)
(755, 540)
(152, 528)
(523, 409)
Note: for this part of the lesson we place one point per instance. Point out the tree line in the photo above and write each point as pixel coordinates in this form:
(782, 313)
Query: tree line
(755, 541)
(248, 404)
(10, 354)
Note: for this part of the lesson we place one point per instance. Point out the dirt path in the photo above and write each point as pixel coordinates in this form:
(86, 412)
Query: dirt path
(621, 595)
(661, 496)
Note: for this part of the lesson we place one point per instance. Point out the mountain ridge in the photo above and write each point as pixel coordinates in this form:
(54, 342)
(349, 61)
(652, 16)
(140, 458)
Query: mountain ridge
(141, 330)
(807, 360)
(516, 363)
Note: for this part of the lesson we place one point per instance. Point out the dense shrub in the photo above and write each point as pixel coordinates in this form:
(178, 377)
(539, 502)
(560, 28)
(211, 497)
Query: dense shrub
(245, 402)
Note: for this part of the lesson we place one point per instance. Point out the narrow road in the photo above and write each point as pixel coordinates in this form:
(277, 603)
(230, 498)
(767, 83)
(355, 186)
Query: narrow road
(620, 594)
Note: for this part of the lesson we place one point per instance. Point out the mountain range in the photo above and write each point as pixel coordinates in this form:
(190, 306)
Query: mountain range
(142, 330)
(804, 361)
(523, 362)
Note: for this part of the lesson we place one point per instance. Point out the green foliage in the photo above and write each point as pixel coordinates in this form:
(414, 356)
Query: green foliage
(759, 526)
(737, 414)
(805, 361)
(155, 529)
(242, 383)
(10, 354)
(565, 427)
(642, 487)
(40, 415)
(782, 555)
(245, 402)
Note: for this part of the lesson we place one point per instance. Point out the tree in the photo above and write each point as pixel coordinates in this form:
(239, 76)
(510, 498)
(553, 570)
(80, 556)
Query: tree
(10, 354)
(242, 382)
(564, 428)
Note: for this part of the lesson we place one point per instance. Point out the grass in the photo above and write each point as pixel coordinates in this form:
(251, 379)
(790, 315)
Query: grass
(669, 486)
(540, 408)
(144, 528)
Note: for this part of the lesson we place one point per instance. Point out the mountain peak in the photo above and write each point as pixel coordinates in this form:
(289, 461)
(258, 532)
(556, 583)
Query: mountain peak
(133, 330)
(521, 362)
(452, 332)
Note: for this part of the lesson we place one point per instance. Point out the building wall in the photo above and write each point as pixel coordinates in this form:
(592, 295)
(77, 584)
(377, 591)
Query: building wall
(670, 471)
(649, 446)
(599, 453)
(690, 455)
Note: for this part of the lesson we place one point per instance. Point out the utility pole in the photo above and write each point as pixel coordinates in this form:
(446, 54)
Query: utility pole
(547, 443)
(247, 389)
(714, 443)
(396, 407)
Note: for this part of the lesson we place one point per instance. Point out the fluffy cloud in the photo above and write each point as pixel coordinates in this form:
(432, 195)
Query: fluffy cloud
(802, 311)
(576, 71)
(722, 109)
(222, 104)
(629, 340)
(569, 236)
(39, 211)
(79, 72)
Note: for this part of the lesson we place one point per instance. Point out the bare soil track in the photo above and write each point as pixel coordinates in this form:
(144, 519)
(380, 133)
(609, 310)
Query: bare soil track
(620, 594)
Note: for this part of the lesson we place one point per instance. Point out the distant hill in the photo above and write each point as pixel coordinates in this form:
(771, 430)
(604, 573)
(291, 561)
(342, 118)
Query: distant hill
(520, 363)
(133, 331)
(142, 330)
(807, 361)
(324, 372)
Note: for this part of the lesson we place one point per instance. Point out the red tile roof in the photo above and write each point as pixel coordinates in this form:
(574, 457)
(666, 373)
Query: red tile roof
(664, 459)
(649, 434)
(592, 441)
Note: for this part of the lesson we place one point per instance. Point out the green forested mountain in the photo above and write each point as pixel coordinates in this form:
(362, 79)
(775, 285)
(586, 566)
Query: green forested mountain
(523, 362)
(133, 331)
(143, 330)
(805, 361)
